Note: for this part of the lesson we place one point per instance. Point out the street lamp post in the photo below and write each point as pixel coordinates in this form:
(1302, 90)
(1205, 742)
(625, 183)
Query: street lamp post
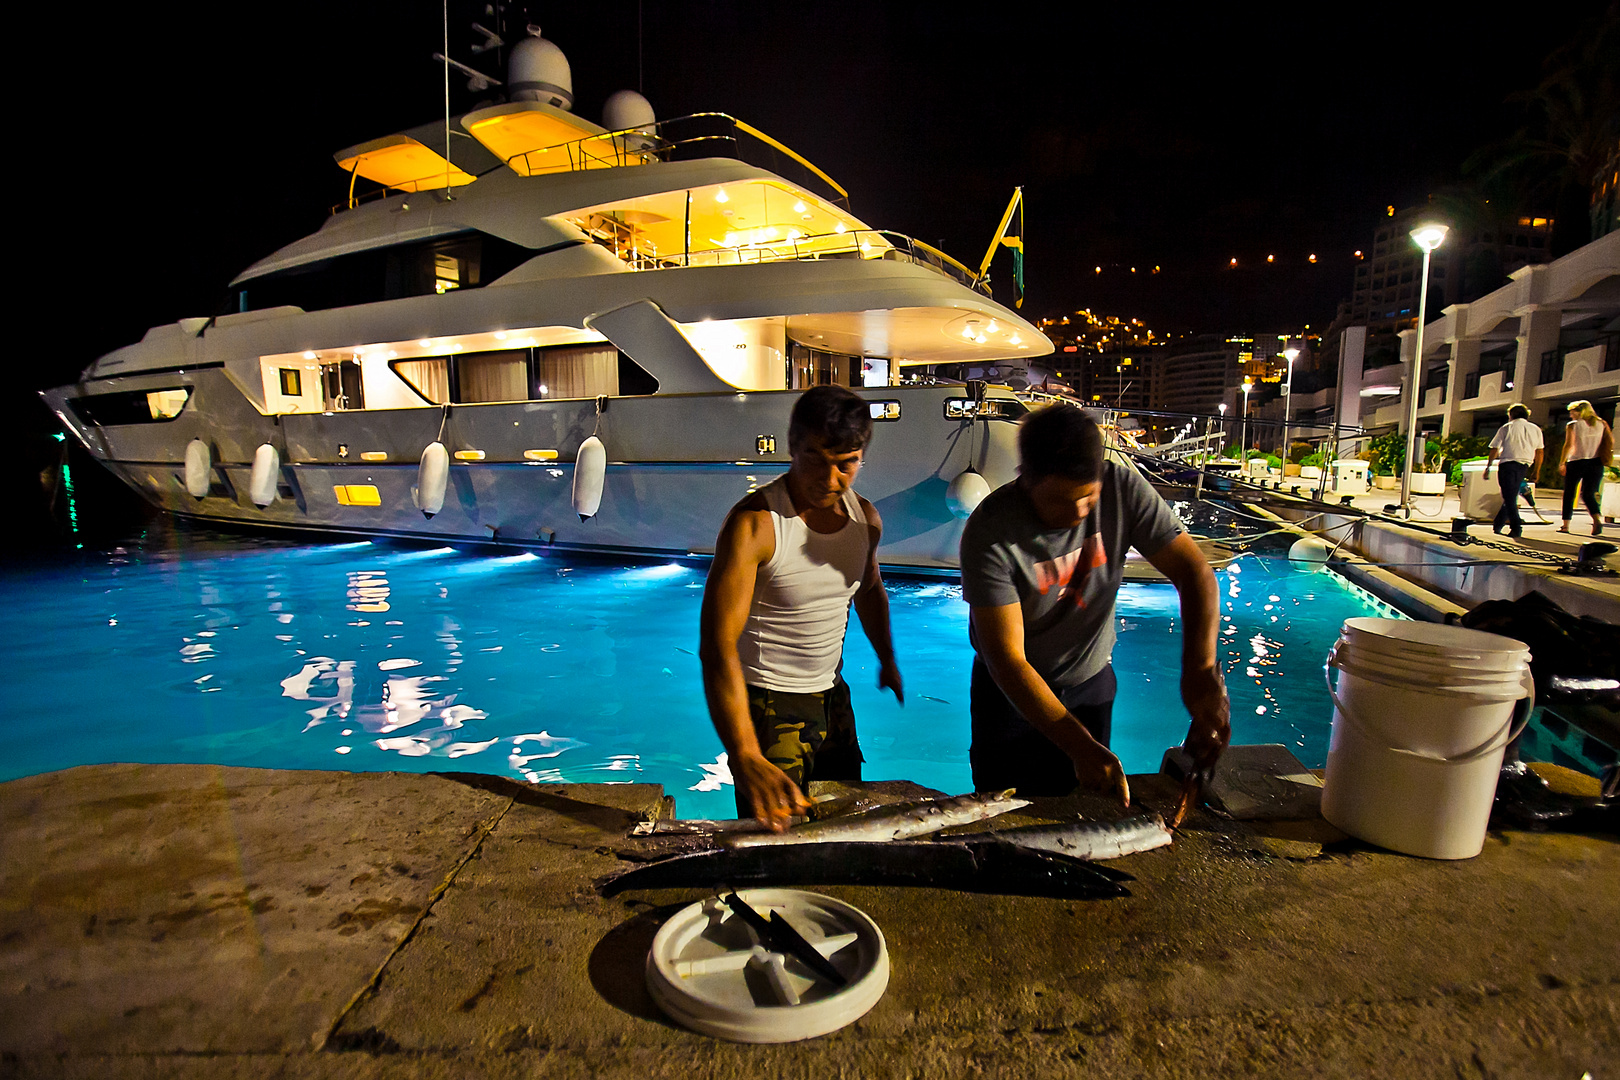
(1288, 402)
(1243, 449)
(1223, 423)
(1427, 237)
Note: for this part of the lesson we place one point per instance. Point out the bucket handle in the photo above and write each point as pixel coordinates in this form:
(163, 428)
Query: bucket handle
(1512, 729)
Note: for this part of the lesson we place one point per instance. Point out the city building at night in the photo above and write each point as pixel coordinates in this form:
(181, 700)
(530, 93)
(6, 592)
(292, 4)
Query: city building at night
(1474, 260)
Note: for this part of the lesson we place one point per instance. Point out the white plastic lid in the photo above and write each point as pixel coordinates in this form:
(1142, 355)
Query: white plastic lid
(708, 970)
(1406, 636)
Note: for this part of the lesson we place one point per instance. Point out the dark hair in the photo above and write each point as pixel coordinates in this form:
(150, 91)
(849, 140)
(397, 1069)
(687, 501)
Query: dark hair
(837, 416)
(1060, 440)
(1518, 412)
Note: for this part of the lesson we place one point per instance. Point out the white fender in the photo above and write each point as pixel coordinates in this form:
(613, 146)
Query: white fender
(432, 476)
(266, 475)
(590, 468)
(199, 468)
(966, 492)
(1308, 554)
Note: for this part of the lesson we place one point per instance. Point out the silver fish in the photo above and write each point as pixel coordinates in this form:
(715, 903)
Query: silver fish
(1092, 840)
(897, 822)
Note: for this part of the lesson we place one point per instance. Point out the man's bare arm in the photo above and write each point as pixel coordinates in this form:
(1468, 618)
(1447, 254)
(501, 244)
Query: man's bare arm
(999, 634)
(1202, 689)
(872, 608)
(746, 542)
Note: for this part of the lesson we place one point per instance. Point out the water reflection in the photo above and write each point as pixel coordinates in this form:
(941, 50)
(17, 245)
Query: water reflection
(365, 656)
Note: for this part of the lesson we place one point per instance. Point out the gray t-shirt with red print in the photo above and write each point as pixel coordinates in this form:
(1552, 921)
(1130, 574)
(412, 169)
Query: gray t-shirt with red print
(1066, 579)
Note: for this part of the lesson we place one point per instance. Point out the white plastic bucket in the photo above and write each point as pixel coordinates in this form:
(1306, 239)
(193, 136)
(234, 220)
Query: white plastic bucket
(1418, 733)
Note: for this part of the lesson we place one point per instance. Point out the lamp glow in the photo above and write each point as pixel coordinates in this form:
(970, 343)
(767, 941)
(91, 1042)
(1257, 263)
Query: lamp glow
(1428, 237)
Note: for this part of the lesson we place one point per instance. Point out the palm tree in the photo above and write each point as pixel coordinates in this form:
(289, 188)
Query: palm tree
(1570, 132)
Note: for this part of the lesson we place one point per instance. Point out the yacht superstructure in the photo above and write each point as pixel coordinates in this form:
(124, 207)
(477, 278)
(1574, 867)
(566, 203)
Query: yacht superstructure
(532, 315)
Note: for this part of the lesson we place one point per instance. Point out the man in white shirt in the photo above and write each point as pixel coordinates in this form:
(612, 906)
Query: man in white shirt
(791, 560)
(1519, 445)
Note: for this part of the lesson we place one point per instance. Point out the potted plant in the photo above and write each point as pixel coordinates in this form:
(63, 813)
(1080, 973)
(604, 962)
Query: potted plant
(1297, 452)
(1429, 477)
(1609, 506)
(1385, 456)
(1310, 466)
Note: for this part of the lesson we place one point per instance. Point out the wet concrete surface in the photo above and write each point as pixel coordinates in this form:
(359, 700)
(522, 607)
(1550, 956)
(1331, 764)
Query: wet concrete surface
(194, 920)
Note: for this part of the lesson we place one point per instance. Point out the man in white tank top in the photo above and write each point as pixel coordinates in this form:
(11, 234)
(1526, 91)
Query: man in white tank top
(791, 559)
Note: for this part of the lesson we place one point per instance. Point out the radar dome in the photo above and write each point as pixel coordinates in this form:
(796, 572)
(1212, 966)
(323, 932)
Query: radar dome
(627, 109)
(539, 72)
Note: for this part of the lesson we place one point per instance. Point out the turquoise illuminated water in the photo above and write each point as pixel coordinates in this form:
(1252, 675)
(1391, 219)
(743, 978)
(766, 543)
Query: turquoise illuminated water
(196, 647)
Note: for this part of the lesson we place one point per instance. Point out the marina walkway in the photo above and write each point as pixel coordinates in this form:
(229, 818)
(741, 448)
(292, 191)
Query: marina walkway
(208, 921)
(1487, 567)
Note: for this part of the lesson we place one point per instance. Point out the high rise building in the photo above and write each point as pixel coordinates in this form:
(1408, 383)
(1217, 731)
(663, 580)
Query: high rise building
(1476, 258)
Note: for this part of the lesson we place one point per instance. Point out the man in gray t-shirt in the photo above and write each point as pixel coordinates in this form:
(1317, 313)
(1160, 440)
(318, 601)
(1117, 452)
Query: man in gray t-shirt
(1042, 559)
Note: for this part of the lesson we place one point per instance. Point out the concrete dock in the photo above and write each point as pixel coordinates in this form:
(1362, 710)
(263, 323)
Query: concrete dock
(209, 921)
(1460, 573)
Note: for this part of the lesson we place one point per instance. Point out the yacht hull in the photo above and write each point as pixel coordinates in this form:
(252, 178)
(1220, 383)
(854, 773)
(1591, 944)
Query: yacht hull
(676, 465)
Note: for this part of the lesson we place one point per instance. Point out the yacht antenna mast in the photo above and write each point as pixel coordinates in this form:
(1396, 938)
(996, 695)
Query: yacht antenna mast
(446, 8)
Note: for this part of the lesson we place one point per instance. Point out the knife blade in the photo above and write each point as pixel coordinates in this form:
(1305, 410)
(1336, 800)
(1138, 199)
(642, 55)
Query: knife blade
(777, 933)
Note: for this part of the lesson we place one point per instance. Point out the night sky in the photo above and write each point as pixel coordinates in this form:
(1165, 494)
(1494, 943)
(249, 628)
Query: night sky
(196, 138)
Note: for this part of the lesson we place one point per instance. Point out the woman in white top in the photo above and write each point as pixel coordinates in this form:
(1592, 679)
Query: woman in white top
(1588, 446)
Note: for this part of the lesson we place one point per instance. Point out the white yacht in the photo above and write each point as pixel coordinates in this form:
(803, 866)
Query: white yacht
(524, 328)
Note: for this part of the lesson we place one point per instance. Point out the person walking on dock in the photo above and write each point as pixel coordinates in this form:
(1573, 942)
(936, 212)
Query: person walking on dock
(1042, 561)
(1588, 447)
(1519, 445)
(790, 560)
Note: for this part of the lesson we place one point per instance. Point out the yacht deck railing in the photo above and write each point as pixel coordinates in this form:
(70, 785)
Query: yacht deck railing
(850, 244)
(681, 138)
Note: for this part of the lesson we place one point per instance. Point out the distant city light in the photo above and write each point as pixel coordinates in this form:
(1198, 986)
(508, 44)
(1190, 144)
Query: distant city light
(1271, 258)
(1234, 262)
(1313, 258)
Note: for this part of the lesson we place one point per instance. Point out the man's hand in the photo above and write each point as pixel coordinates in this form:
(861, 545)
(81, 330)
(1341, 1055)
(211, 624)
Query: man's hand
(767, 791)
(1204, 694)
(889, 679)
(1097, 769)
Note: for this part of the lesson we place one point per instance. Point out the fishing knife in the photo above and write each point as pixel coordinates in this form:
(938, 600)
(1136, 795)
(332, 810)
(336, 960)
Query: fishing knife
(778, 934)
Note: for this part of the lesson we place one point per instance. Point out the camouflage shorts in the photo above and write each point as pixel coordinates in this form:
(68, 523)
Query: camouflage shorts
(808, 736)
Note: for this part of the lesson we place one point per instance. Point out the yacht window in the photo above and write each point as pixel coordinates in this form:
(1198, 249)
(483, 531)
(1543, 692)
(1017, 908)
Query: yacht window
(885, 410)
(989, 409)
(447, 272)
(541, 374)
(166, 404)
(422, 268)
(501, 376)
(577, 371)
(809, 367)
(131, 406)
(292, 383)
(635, 380)
(430, 378)
(341, 389)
